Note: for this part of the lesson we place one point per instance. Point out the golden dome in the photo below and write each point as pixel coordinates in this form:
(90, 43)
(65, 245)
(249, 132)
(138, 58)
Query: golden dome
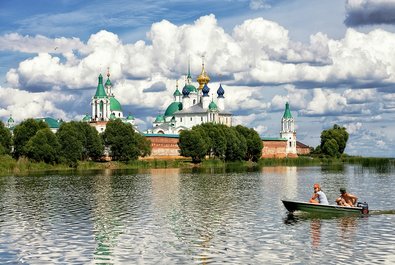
(203, 78)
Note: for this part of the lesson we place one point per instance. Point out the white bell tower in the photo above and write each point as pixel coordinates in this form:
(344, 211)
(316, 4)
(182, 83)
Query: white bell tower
(288, 131)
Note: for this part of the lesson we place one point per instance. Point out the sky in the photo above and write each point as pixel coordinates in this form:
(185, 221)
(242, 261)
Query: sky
(332, 60)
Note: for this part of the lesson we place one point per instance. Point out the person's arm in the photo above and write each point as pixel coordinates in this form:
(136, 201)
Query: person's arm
(354, 199)
(314, 197)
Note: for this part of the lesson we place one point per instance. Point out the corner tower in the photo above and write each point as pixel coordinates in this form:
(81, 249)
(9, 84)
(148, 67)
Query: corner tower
(288, 131)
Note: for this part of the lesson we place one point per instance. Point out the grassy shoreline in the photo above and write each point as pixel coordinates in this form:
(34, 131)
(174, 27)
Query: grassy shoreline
(10, 166)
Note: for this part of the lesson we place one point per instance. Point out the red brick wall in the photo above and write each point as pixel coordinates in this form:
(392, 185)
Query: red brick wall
(303, 150)
(164, 147)
(274, 149)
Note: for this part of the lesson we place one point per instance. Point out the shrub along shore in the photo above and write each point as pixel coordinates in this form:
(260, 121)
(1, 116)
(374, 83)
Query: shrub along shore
(23, 166)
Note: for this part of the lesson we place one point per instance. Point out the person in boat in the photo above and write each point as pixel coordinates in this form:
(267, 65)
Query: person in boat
(319, 196)
(346, 199)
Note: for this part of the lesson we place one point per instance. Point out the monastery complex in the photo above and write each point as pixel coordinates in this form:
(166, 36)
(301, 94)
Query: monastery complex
(191, 106)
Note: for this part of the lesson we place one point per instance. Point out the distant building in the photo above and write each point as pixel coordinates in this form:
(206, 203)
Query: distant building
(192, 106)
(105, 107)
(288, 130)
(52, 123)
(285, 146)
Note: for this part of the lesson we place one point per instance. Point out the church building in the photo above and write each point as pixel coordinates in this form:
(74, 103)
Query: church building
(105, 107)
(193, 106)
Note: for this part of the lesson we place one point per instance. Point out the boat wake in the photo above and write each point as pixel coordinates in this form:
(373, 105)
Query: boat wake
(378, 212)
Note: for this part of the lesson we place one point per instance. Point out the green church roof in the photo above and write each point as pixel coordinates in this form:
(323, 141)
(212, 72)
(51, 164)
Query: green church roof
(159, 118)
(173, 107)
(115, 105)
(191, 88)
(177, 93)
(87, 118)
(212, 106)
(10, 120)
(287, 112)
(108, 82)
(51, 122)
(100, 92)
(130, 117)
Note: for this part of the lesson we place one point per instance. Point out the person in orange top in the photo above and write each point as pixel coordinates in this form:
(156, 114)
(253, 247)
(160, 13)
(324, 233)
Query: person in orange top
(319, 196)
(346, 199)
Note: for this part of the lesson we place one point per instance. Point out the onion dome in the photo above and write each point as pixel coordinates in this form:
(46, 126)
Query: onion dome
(287, 112)
(112, 116)
(191, 88)
(185, 91)
(100, 92)
(220, 91)
(10, 120)
(205, 90)
(177, 93)
(203, 78)
(212, 106)
(130, 117)
(173, 107)
(108, 82)
(160, 118)
(115, 105)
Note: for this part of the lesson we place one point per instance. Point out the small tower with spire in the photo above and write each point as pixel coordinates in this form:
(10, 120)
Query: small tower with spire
(108, 84)
(288, 130)
(10, 122)
(177, 94)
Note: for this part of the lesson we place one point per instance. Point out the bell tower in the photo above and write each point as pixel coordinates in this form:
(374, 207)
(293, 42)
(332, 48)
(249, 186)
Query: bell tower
(288, 131)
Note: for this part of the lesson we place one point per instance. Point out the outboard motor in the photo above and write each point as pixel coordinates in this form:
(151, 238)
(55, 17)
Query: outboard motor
(364, 206)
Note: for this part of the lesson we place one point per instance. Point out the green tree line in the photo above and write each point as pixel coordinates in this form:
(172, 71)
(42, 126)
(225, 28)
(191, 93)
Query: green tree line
(221, 142)
(73, 142)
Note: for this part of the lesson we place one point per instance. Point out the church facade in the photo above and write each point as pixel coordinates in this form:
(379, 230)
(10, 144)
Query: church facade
(192, 106)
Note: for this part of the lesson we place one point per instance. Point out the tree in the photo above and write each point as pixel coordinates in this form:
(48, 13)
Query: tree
(86, 140)
(71, 143)
(192, 145)
(216, 139)
(253, 141)
(122, 140)
(337, 134)
(144, 145)
(43, 146)
(236, 145)
(331, 148)
(5, 139)
(22, 134)
(91, 141)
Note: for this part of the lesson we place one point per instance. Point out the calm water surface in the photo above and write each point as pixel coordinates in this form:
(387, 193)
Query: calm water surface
(170, 216)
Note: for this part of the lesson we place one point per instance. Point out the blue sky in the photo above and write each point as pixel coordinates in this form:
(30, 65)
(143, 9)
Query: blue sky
(331, 59)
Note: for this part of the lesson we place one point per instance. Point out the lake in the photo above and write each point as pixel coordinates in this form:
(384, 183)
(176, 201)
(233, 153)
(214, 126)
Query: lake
(184, 216)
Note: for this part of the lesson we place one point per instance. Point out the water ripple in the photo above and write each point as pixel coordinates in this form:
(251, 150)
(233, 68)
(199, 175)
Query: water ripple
(168, 217)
